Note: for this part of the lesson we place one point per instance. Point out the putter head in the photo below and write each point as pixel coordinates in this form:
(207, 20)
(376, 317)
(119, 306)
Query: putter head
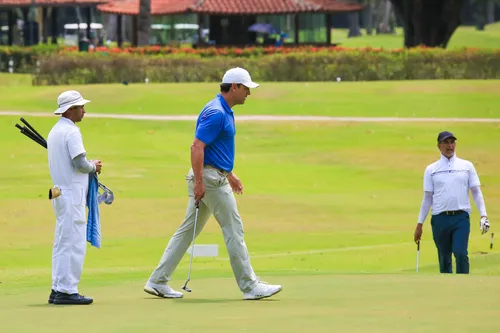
(185, 286)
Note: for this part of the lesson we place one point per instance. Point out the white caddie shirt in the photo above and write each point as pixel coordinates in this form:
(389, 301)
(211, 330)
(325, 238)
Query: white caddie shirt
(64, 143)
(450, 181)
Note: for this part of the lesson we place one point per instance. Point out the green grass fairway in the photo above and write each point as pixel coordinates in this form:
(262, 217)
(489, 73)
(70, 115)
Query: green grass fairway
(371, 99)
(464, 36)
(7, 79)
(329, 212)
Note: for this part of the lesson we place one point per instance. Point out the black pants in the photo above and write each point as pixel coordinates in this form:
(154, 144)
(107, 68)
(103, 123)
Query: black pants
(451, 235)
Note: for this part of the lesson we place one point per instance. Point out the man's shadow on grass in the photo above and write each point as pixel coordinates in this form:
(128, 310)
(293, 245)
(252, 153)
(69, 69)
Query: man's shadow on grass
(210, 300)
(46, 305)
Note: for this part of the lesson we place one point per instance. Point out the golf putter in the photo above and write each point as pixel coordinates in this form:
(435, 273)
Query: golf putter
(192, 250)
(418, 253)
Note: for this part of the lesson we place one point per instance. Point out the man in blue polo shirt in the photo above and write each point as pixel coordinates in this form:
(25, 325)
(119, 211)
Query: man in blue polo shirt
(211, 183)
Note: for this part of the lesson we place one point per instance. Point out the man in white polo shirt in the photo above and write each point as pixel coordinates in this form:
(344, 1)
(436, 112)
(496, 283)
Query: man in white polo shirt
(446, 189)
(69, 170)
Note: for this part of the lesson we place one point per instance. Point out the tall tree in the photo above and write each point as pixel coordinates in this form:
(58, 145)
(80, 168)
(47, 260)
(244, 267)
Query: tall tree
(490, 11)
(144, 22)
(354, 28)
(480, 13)
(428, 22)
(353, 20)
(386, 22)
(368, 16)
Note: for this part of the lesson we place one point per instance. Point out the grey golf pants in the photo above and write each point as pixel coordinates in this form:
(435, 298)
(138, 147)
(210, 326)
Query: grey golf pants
(218, 200)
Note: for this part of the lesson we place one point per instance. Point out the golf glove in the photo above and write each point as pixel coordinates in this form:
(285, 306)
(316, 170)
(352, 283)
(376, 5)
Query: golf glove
(484, 225)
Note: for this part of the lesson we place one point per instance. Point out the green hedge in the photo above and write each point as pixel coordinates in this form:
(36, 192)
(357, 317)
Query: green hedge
(24, 59)
(56, 69)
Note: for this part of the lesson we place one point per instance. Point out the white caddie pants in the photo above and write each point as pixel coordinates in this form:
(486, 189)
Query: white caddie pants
(218, 200)
(70, 238)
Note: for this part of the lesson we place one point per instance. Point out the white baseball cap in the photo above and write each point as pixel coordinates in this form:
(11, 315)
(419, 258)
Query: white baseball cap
(239, 75)
(68, 99)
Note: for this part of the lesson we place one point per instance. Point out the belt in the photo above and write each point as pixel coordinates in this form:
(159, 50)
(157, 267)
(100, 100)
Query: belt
(452, 212)
(208, 166)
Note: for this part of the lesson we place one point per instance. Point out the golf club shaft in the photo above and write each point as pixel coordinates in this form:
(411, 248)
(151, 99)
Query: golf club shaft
(418, 255)
(105, 188)
(41, 141)
(192, 245)
(33, 130)
(32, 136)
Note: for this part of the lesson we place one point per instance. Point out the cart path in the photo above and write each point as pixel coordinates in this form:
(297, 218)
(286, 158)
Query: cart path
(261, 118)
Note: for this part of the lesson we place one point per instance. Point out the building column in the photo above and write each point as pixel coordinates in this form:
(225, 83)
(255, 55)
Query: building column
(296, 30)
(119, 33)
(44, 25)
(55, 31)
(11, 22)
(328, 29)
(135, 34)
(88, 11)
(200, 28)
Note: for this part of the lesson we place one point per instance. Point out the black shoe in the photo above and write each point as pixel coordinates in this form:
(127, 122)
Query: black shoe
(76, 299)
(53, 294)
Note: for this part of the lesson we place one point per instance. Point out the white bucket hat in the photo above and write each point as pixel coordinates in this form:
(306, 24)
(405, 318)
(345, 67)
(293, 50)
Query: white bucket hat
(68, 99)
(239, 75)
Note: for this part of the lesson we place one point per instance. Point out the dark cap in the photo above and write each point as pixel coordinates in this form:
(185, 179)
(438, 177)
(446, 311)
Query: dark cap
(445, 135)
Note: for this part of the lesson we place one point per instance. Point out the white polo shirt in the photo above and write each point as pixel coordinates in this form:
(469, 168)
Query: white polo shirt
(64, 143)
(450, 181)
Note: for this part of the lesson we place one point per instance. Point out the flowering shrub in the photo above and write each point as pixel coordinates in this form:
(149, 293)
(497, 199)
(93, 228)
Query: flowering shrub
(250, 51)
(247, 51)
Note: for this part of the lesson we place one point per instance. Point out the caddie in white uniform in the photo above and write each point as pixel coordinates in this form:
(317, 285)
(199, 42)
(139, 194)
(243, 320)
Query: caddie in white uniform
(69, 170)
(211, 182)
(446, 189)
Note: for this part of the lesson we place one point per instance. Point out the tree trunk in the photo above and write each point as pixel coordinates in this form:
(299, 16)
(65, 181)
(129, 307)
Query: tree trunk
(490, 12)
(368, 16)
(111, 28)
(354, 28)
(143, 22)
(480, 14)
(379, 14)
(428, 22)
(384, 27)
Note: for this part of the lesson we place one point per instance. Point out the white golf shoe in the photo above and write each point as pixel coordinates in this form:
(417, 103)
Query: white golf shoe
(161, 290)
(262, 290)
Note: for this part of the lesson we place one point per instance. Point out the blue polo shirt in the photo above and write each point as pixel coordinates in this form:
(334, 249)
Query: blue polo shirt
(215, 127)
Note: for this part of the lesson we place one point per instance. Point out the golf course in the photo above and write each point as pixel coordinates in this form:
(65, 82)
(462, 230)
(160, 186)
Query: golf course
(329, 208)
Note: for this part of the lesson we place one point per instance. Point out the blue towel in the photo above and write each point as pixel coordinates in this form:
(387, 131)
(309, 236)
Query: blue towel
(93, 220)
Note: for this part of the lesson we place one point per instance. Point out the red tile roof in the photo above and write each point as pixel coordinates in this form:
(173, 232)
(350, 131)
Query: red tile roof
(22, 3)
(165, 7)
(338, 6)
(158, 7)
(255, 6)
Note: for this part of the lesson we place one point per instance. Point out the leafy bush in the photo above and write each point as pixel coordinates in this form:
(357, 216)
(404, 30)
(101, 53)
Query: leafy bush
(308, 64)
(24, 58)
